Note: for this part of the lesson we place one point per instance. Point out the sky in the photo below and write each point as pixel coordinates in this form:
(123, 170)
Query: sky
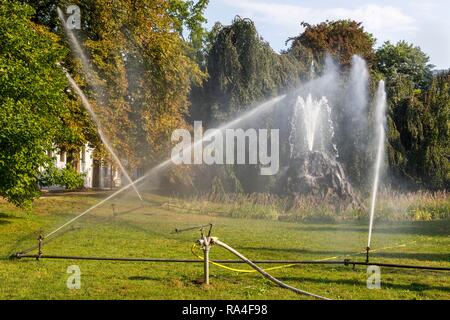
(424, 23)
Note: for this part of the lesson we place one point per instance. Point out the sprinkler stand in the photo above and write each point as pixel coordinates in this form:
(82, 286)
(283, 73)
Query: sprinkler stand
(205, 242)
(367, 254)
(40, 238)
(113, 207)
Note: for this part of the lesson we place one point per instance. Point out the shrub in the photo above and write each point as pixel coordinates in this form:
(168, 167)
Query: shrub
(67, 177)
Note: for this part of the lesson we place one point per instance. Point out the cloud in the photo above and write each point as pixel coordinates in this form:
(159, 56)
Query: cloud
(423, 23)
(376, 18)
(384, 21)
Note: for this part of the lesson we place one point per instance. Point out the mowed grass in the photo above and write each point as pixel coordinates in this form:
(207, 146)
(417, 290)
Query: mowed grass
(147, 231)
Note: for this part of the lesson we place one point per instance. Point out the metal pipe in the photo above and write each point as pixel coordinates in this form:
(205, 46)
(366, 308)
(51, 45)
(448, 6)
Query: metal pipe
(20, 256)
(177, 230)
(206, 248)
(367, 254)
(299, 262)
(39, 247)
(402, 266)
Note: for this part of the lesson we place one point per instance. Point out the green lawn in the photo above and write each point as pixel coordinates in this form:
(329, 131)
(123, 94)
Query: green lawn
(148, 232)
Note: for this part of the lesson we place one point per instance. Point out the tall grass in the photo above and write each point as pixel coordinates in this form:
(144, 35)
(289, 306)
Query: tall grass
(391, 206)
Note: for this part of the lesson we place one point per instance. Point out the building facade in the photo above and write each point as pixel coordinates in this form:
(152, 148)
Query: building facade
(98, 174)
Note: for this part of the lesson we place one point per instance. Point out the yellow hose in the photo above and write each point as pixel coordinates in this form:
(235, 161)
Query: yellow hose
(237, 270)
(291, 265)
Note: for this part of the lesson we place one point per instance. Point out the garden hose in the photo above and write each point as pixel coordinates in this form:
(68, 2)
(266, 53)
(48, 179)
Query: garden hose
(263, 272)
(234, 269)
(194, 246)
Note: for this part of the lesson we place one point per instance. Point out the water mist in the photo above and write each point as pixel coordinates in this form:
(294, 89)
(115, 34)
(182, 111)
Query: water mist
(311, 125)
(256, 111)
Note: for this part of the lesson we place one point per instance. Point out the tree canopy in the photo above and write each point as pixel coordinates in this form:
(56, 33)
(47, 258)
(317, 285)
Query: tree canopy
(157, 69)
(341, 39)
(32, 101)
(404, 60)
(242, 69)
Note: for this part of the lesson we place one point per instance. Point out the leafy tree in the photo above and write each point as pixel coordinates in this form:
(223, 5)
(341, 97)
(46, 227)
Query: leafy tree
(189, 17)
(145, 54)
(418, 113)
(32, 100)
(436, 168)
(242, 68)
(144, 74)
(425, 135)
(404, 60)
(341, 39)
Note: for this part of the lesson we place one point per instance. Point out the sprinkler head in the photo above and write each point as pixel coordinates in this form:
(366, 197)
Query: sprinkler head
(367, 254)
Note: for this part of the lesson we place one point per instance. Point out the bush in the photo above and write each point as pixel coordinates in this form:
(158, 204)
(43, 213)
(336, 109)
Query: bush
(67, 177)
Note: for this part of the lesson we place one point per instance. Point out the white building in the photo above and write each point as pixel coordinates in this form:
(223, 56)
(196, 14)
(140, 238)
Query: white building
(97, 174)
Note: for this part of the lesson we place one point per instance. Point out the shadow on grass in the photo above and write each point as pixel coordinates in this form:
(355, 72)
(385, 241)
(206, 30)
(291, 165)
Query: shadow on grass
(428, 228)
(324, 253)
(414, 286)
(6, 217)
(89, 194)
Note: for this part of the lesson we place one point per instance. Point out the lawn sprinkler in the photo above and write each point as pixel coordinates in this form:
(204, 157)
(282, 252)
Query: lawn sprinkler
(205, 243)
(200, 228)
(40, 239)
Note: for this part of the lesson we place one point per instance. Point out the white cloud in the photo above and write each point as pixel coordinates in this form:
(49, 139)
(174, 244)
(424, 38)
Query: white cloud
(376, 18)
(425, 24)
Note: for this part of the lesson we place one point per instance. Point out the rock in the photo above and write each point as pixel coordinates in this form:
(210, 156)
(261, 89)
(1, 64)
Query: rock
(316, 174)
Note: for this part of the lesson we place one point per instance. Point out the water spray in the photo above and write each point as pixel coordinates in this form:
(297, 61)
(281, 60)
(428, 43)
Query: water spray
(206, 240)
(76, 48)
(165, 164)
(105, 141)
(380, 115)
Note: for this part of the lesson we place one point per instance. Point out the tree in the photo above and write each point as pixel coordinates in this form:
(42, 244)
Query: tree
(419, 105)
(341, 39)
(242, 69)
(32, 100)
(404, 60)
(189, 17)
(144, 74)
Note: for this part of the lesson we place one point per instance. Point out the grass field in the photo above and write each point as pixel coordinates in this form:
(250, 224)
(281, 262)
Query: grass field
(147, 231)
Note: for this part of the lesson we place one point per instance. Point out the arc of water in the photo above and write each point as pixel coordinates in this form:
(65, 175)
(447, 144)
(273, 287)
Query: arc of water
(312, 70)
(90, 75)
(106, 143)
(259, 109)
(379, 119)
